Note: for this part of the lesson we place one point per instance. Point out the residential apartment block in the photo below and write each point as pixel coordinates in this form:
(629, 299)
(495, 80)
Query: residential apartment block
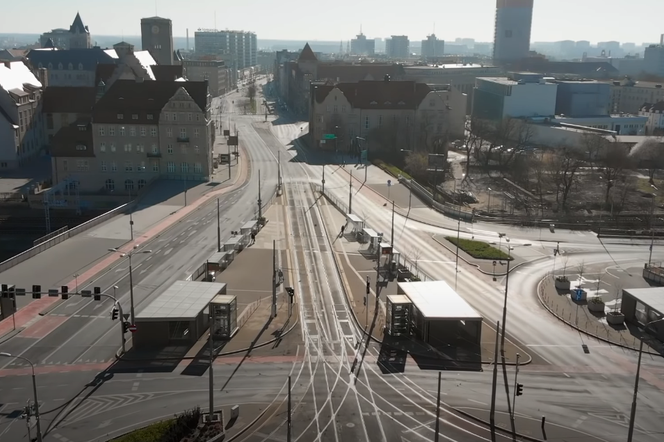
(140, 131)
(214, 71)
(238, 49)
(397, 46)
(655, 114)
(630, 96)
(22, 135)
(389, 114)
(360, 45)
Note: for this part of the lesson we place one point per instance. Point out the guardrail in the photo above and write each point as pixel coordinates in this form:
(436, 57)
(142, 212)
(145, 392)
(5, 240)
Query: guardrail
(37, 249)
(48, 236)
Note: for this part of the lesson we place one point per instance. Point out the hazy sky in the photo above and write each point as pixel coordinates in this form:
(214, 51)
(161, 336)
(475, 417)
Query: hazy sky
(595, 20)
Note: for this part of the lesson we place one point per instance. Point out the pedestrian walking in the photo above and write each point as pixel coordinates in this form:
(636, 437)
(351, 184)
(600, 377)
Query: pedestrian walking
(253, 238)
(342, 230)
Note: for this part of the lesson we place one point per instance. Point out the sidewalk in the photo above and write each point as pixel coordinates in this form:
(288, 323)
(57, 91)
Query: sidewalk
(80, 252)
(356, 265)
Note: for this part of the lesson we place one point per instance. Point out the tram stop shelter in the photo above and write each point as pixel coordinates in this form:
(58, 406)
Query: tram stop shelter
(440, 317)
(178, 316)
(641, 306)
(355, 222)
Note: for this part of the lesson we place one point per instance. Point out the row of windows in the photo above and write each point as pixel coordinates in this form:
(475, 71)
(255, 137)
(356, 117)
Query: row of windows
(143, 131)
(112, 166)
(173, 116)
(128, 147)
(61, 66)
(128, 184)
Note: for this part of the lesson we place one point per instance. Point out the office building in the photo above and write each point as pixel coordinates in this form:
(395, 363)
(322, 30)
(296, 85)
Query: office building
(511, 40)
(653, 60)
(582, 98)
(361, 45)
(214, 71)
(397, 46)
(432, 47)
(157, 38)
(630, 96)
(238, 49)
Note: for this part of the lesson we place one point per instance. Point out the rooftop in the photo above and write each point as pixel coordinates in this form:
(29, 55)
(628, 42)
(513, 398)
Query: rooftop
(454, 66)
(15, 75)
(183, 301)
(653, 297)
(378, 94)
(69, 99)
(74, 140)
(437, 300)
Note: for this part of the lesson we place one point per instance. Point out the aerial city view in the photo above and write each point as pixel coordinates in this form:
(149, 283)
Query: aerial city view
(263, 221)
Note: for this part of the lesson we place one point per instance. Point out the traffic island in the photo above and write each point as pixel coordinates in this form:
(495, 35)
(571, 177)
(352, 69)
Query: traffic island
(487, 259)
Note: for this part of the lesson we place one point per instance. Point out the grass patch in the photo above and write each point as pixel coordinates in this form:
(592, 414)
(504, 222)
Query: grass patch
(479, 249)
(151, 433)
(394, 170)
(643, 185)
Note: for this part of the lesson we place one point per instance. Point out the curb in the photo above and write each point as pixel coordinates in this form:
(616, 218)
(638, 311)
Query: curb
(512, 269)
(7, 336)
(585, 332)
(498, 429)
(228, 353)
(357, 321)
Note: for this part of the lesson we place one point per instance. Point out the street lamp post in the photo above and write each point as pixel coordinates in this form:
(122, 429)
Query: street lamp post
(632, 414)
(131, 277)
(34, 390)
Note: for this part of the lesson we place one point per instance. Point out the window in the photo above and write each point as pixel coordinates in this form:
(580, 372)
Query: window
(80, 66)
(150, 117)
(101, 131)
(129, 167)
(127, 147)
(343, 108)
(198, 117)
(184, 167)
(141, 167)
(70, 66)
(508, 33)
(336, 109)
(132, 131)
(121, 131)
(169, 149)
(196, 149)
(169, 132)
(114, 166)
(102, 147)
(197, 167)
(170, 167)
(120, 116)
(153, 131)
(175, 116)
(134, 116)
(143, 131)
(82, 165)
(140, 148)
(60, 66)
(109, 185)
(155, 167)
(196, 133)
(104, 166)
(111, 131)
(380, 120)
(141, 184)
(183, 149)
(366, 122)
(155, 149)
(129, 185)
(183, 132)
(189, 116)
(112, 147)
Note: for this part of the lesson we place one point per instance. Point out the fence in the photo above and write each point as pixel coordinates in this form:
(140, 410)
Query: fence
(401, 259)
(37, 249)
(446, 209)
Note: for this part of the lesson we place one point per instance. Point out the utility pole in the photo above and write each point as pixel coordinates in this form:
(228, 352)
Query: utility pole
(516, 375)
(260, 202)
(323, 180)
(229, 160)
(279, 170)
(211, 342)
(456, 265)
(366, 304)
(218, 228)
(350, 193)
(502, 345)
(436, 435)
(290, 412)
(274, 279)
(494, 386)
(392, 239)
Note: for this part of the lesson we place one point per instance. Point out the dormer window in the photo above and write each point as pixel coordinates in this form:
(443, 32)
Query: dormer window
(120, 116)
(81, 147)
(80, 66)
(71, 67)
(50, 66)
(150, 116)
(373, 103)
(60, 66)
(401, 103)
(40, 65)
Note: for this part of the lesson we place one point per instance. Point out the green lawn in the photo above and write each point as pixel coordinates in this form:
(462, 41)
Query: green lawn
(151, 433)
(479, 249)
(394, 170)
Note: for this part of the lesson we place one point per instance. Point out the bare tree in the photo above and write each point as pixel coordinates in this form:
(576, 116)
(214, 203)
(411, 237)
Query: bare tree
(613, 160)
(503, 140)
(538, 164)
(417, 164)
(565, 164)
(416, 253)
(474, 141)
(593, 145)
(251, 92)
(649, 155)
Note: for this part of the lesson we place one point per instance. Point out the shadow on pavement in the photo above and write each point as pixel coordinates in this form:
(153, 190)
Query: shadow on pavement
(160, 360)
(391, 359)
(201, 362)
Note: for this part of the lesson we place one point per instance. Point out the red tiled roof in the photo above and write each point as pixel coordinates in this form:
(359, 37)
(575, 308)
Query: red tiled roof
(68, 99)
(307, 54)
(144, 98)
(379, 94)
(74, 140)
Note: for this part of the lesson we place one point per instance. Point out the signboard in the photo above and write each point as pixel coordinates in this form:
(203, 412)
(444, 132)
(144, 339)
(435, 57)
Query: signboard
(227, 132)
(232, 140)
(329, 137)
(437, 162)
(132, 328)
(364, 156)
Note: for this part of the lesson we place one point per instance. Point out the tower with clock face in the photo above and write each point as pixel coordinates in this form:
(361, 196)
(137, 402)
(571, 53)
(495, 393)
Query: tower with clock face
(157, 37)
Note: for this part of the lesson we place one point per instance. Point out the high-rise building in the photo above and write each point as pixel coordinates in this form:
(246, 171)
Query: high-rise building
(397, 46)
(511, 40)
(238, 49)
(157, 37)
(362, 46)
(432, 47)
(653, 60)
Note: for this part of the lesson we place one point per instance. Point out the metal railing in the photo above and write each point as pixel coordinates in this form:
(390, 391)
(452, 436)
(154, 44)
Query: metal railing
(48, 236)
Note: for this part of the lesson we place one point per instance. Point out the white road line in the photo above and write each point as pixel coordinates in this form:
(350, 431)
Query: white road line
(477, 402)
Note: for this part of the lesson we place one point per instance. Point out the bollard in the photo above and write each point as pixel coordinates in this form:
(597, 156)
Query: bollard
(235, 411)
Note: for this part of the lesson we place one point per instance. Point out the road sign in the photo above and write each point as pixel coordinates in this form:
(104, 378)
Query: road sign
(329, 137)
(389, 183)
(125, 316)
(364, 156)
(132, 328)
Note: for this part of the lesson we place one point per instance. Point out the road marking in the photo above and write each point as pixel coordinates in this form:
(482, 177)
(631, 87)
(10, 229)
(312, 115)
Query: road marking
(169, 250)
(135, 387)
(139, 374)
(579, 421)
(477, 402)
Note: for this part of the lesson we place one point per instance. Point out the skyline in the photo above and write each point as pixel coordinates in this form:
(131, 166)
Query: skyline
(592, 20)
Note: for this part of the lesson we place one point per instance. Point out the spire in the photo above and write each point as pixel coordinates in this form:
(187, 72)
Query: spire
(307, 54)
(77, 27)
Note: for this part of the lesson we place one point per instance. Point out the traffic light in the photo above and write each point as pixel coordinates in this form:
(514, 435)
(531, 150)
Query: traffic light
(36, 292)
(125, 326)
(97, 293)
(368, 286)
(291, 293)
(115, 313)
(519, 389)
(64, 291)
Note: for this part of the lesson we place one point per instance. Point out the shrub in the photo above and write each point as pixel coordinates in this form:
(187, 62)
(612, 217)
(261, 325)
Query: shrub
(479, 249)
